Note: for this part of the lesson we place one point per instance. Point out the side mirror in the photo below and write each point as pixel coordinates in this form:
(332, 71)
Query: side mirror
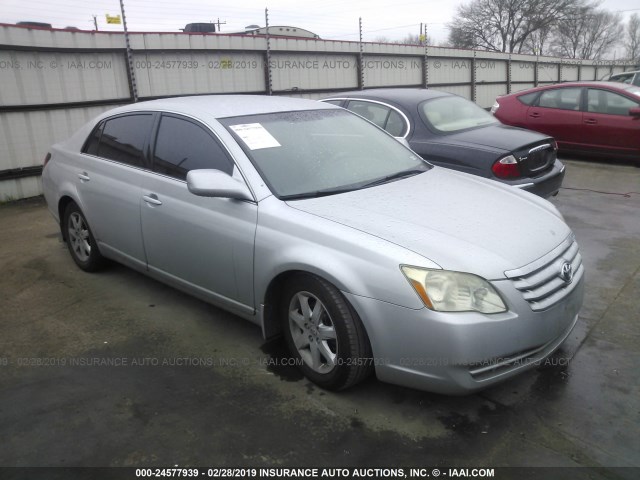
(214, 183)
(634, 112)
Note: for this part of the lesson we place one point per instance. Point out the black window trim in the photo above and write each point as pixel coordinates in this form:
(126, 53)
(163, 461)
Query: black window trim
(214, 135)
(145, 159)
(154, 140)
(148, 148)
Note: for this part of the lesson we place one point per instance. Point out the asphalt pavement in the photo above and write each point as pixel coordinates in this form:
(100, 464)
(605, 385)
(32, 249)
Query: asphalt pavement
(116, 369)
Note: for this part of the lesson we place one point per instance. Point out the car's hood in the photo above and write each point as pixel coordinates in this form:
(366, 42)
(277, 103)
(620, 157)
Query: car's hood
(459, 221)
(496, 136)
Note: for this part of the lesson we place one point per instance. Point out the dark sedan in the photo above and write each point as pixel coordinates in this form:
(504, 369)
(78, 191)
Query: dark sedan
(450, 131)
(596, 118)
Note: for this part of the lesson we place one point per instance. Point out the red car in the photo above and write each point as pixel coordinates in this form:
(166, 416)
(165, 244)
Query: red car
(583, 117)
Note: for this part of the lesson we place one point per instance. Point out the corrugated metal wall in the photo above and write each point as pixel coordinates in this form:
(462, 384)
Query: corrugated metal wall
(53, 81)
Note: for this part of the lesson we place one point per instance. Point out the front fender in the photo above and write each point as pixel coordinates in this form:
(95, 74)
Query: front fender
(356, 262)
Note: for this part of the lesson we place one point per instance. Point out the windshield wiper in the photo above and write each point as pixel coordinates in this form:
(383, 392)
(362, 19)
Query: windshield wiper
(334, 191)
(319, 193)
(395, 176)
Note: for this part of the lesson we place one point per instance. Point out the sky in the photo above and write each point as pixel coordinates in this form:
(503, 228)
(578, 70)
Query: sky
(331, 19)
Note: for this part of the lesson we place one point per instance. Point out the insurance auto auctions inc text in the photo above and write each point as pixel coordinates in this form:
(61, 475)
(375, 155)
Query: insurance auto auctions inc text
(375, 472)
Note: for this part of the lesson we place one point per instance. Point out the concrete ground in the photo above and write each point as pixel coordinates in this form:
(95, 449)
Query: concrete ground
(115, 369)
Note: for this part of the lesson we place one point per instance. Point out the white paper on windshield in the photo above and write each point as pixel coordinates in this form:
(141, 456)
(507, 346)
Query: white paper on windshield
(255, 136)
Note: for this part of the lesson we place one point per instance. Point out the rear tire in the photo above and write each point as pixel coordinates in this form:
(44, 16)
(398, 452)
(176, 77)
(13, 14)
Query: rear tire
(324, 334)
(80, 241)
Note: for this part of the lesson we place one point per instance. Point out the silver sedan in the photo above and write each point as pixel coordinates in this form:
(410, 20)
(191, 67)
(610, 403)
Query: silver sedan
(317, 225)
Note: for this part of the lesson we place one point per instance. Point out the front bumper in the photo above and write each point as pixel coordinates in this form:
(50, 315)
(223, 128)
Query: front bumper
(459, 353)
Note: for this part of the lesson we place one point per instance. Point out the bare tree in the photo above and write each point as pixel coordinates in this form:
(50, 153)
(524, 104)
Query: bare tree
(381, 39)
(409, 39)
(461, 37)
(414, 39)
(504, 25)
(538, 41)
(632, 38)
(586, 32)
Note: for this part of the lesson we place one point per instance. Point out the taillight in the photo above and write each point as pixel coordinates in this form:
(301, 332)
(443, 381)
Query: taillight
(46, 159)
(506, 167)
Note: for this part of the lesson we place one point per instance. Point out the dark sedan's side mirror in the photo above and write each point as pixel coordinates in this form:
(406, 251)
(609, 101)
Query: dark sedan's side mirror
(214, 183)
(634, 112)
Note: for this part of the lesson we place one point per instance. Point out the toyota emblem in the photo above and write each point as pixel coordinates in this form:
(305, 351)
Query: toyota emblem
(566, 272)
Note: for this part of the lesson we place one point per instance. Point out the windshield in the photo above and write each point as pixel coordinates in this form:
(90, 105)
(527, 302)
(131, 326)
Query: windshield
(321, 152)
(451, 114)
(622, 78)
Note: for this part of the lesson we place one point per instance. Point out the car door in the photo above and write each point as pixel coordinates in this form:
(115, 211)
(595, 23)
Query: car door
(204, 245)
(113, 168)
(607, 125)
(557, 113)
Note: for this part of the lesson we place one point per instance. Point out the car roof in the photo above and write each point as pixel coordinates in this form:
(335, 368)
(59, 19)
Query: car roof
(403, 96)
(222, 106)
(630, 72)
(604, 84)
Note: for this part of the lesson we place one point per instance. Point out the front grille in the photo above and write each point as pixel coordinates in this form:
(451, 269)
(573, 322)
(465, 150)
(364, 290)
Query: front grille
(539, 158)
(541, 282)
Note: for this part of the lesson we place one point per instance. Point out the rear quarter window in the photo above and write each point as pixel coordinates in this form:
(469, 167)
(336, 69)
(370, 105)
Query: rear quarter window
(528, 98)
(91, 145)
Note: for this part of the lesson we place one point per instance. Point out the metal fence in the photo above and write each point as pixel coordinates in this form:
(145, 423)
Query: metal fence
(53, 81)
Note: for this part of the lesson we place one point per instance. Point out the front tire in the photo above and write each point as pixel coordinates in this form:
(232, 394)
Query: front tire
(324, 333)
(80, 241)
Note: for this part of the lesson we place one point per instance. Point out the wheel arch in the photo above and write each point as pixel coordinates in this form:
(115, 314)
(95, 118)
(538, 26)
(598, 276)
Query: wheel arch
(63, 203)
(271, 326)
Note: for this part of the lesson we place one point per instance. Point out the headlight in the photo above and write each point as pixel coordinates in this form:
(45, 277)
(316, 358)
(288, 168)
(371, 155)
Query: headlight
(495, 107)
(446, 291)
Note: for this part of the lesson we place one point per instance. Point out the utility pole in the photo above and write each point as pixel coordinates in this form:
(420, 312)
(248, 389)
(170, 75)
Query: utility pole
(218, 23)
(360, 58)
(132, 75)
(269, 78)
(95, 22)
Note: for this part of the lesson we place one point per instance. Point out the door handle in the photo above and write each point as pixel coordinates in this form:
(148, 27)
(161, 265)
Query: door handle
(590, 121)
(152, 199)
(84, 177)
(534, 115)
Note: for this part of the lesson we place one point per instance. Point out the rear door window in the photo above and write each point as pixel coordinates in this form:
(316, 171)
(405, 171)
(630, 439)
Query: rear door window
(562, 98)
(123, 138)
